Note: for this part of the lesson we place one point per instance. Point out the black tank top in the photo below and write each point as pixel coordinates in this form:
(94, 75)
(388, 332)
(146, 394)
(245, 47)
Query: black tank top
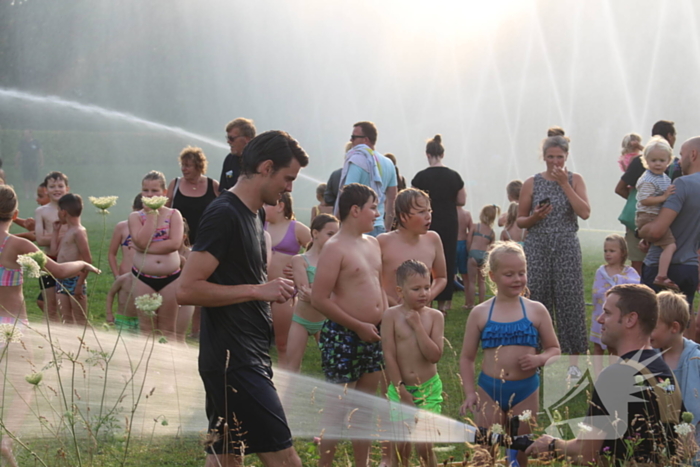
(192, 207)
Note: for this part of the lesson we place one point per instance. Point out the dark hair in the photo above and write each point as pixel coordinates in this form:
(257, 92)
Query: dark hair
(555, 131)
(137, 204)
(640, 299)
(42, 184)
(663, 128)
(288, 211)
(58, 176)
(72, 204)
(369, 130)
(410, 268)
(277, 146)
(434, 147)
(246, 127)
(513, 189)
(8, 203)
(321, 189)
(321, 220)
(351, 195)
(406, 200)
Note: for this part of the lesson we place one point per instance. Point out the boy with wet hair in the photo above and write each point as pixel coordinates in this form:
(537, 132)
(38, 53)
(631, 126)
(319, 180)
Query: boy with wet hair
(348, 291)
(412, 240)
(513, 192)
(682, 355)
(412, 339)
(46, 217)
(72, 246)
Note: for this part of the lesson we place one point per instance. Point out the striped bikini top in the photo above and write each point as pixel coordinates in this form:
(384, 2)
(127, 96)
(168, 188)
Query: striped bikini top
(9, 277)
(520, 332)
(161, 233)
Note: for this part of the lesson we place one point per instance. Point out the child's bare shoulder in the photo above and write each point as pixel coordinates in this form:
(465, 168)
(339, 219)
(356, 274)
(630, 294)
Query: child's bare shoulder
(480, 312)
(537, 309)
(393, 311)
(433, 313)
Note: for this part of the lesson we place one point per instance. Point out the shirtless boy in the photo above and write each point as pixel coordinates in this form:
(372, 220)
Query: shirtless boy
(45, 217)
(127, 317)
(412, 338)
(70, 292)
(348, 291)
(412, 240)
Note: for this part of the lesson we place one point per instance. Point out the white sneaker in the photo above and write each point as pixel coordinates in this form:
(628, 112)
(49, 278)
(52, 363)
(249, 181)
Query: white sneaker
(574, 372)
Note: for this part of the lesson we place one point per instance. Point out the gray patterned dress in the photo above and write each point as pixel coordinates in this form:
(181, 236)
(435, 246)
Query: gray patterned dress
(555, 271)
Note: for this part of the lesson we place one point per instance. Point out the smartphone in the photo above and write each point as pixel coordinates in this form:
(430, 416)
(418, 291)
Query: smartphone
(544, 202)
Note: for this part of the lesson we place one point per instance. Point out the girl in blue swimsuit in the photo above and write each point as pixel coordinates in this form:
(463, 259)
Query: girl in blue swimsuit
(510, 329)
(307, 321)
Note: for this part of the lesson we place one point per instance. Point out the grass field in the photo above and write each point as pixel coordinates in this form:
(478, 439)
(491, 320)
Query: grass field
(187, 451)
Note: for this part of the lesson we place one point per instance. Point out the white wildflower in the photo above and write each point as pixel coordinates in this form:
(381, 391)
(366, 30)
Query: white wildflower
(154, 202)
(639, 380)
(584, 428)
(497, 429)
(29, 265)
(525, 416)
(683, 429)
(103, 203)
(9, 334)
(149, 303)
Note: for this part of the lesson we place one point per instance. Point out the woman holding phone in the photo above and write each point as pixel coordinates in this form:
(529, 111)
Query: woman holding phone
(550, 204)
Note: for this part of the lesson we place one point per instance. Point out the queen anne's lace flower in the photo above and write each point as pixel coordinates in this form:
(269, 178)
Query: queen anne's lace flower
(683, 429)
(525, 416)
(584, 428)
(154, 202)
(9, 334)
(497, 429)
(639, 380)
(103, 202)
(29, 265)
(149, 303)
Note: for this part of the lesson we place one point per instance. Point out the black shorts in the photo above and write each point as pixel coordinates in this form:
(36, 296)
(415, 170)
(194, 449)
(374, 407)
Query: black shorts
(46, 282)
(250, 406)
(345, 357)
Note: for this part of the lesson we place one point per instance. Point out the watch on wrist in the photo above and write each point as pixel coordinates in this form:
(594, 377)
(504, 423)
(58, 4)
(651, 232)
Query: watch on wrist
(553, 445)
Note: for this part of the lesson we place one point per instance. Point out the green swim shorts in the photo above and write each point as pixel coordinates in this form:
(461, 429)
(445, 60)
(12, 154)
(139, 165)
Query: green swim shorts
(127, 323)
(426, 396)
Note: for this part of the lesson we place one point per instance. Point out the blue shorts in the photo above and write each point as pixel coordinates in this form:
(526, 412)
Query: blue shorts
(345, 357)
(508, 394)
(462, 256)
(67, 286)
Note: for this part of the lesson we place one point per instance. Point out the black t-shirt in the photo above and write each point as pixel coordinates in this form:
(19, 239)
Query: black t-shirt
(628, 409)
(634, 171)
(229, 172)
(234, 235)
(332, 187)
(442, 185)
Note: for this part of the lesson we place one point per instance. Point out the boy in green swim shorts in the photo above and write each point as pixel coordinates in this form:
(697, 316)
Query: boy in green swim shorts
(126, 317)
(412, 340)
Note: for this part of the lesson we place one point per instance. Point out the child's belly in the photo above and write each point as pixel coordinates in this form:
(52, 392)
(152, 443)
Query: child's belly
(157, 265)
(503, 362)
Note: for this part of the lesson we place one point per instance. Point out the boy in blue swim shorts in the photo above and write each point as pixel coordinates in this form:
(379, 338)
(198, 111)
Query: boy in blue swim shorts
(412, 339)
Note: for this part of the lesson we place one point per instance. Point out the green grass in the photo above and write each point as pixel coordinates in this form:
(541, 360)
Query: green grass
(187, 451)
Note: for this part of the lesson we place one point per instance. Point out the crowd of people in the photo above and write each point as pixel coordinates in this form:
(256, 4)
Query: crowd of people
(234, 266)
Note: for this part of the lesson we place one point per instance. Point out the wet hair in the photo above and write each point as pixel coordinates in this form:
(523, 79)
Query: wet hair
(561, 142)
(673, 307)
(663, 128)
(406, 200)
(288, 211)
(555, 131)
(513, 189)
(640, 299)
(410, 268)
(627, 142)
(8, 203)
(196, 156)
(137, 205)
(321, 189)
(369, 130)
(155, 175)
(72, 204)
(246, 127)
(434, 147)
(58, 176)
(489, 213)
(276, 146)
(493, 256)
(512, 215)
(656, 142)
(621, 243)
(351, 195)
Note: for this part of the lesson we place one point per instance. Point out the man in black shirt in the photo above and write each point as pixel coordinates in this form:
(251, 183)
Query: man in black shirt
(226, 274)
(636, 402)
(239, 132)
